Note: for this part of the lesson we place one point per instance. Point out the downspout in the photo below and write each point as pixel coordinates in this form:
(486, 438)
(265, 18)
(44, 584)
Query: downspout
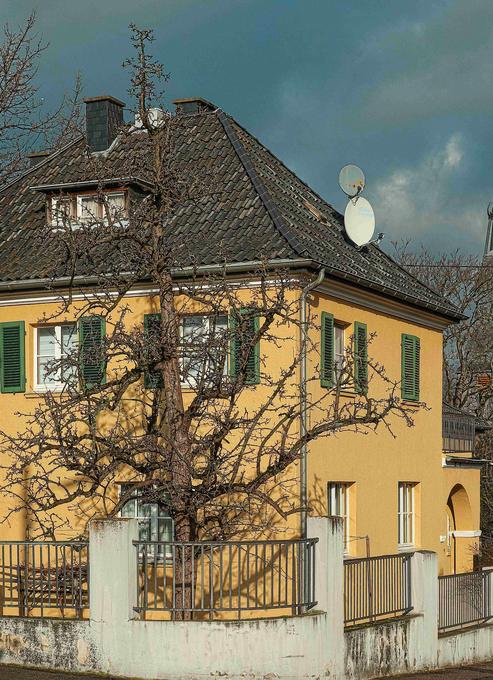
(304, 399)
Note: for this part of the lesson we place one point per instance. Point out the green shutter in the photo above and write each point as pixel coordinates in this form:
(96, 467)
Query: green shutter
(410, 367)
(327, 350)
(13, 373)
(92, 330)
(360, 357)
(153, 379)
(249, 327)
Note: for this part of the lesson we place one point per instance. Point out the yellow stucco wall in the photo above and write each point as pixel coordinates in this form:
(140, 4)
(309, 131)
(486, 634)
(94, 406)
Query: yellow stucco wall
(374, 463)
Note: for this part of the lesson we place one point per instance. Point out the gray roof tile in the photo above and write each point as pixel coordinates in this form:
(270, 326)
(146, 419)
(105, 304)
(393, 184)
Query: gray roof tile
(258, 208)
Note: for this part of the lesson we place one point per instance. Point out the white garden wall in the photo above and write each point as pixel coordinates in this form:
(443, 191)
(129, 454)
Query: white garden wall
(115, 642)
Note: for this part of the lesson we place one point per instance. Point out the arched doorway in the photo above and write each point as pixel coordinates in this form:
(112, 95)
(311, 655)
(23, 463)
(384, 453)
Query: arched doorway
(459, 528)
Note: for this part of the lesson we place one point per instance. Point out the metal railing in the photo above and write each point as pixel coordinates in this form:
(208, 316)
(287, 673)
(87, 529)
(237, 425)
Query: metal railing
(464, 600)
(202, 579)
(377, 588)
(38, 575)
(458, 430)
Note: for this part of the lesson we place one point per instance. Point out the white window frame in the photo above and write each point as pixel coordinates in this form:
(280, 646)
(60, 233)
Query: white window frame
(406, 516)
(142, 518)
(54, 386)
(100, 211)
(190, 384)
(339, 499)
(339, 356)
(106, 195)
(56, 220)
(80, 199)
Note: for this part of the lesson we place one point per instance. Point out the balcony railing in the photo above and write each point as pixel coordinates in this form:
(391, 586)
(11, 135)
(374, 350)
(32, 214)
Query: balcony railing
(458, 430)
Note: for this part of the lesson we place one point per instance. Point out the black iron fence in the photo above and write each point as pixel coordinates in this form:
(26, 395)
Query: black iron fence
(464, 600)
(241, 578)
(37, 576)
(377, 588)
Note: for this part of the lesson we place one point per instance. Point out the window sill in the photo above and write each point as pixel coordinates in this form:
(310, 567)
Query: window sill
(406, 547)
(37, 392)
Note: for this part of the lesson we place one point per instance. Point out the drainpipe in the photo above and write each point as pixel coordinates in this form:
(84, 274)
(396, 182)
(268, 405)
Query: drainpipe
(303, 398)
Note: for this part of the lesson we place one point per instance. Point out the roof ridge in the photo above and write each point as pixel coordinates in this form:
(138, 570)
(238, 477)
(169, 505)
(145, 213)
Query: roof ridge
(281, 162)
(41, 164)
(259, 186)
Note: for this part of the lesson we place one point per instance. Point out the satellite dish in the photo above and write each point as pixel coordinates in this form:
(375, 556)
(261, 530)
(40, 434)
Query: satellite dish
(352, 180)
(359, 221)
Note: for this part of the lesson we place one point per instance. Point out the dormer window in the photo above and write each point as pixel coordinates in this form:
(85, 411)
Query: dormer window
(88, 209)
(61, 210)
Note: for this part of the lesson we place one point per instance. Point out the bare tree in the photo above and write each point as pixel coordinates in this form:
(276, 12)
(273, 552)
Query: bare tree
(25, 123)
(204, 416)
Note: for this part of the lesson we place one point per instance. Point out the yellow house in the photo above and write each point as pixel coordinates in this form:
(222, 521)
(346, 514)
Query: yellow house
(409, 488)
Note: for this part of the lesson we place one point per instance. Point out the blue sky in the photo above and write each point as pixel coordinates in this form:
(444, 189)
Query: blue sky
(404, 89)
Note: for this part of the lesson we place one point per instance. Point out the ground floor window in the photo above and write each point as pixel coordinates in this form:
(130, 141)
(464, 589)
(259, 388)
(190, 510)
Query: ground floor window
(155, 524)
(405, 514)
(338, 497)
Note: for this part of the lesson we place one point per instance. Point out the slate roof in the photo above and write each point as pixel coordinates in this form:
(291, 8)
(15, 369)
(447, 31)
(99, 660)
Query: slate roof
(258, 208)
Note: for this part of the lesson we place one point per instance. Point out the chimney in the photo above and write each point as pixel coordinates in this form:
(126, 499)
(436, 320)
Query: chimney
(104, 116)
(36, 157)
(193, 105)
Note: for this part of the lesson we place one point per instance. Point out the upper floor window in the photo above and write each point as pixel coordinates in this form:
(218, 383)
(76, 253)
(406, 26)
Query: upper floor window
(53, 347)
(205, 349)
(339, 350)
(334, 353)
(93, 208)
(410, 383)
(88, 208)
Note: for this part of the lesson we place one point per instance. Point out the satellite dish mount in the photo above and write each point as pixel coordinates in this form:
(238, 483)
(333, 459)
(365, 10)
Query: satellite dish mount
(359, 218)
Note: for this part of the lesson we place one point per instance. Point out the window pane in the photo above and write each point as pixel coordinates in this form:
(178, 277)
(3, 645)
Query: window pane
(115, 204)
(69, 337)
(46, 374)
(60, 210)
(47, 342)
(194, 327)
(144, 530)
(165, 529)
(46, 354)
(89, 208)
(339, 350)
(128, 509)
(69, 340)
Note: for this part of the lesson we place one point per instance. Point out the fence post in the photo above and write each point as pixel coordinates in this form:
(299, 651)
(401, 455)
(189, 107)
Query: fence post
(113, 570)
(329, 586)
(423, 642)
